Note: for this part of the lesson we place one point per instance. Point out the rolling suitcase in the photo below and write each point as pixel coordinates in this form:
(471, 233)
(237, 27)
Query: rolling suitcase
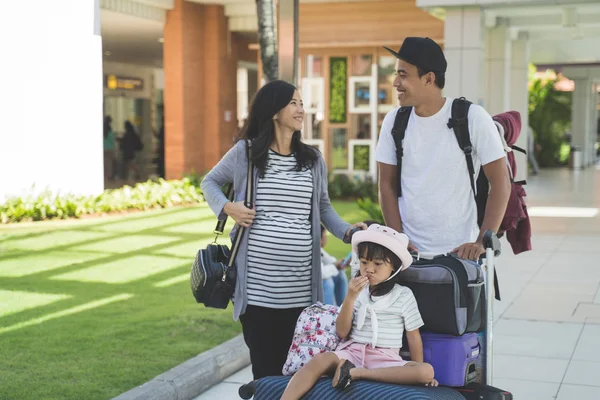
(272, 387)
(454, 358)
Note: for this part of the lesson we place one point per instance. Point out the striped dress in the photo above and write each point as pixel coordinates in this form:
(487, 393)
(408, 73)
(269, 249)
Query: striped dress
(280, 239)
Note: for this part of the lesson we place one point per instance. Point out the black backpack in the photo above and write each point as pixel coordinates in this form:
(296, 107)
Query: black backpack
(460, 124)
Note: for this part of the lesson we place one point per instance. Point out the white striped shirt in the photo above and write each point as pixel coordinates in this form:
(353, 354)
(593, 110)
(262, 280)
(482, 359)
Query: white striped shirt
(280, 239)
(392, 319)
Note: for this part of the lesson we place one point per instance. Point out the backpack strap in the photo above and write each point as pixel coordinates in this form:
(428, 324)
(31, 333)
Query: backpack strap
(398, 132)
(519, 149)
(460, 124)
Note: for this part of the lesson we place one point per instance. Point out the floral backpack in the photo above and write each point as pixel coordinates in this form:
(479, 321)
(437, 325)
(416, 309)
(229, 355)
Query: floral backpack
(314, 334)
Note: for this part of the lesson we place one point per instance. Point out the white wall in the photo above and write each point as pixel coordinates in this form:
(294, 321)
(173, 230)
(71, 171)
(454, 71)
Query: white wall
(51, 103)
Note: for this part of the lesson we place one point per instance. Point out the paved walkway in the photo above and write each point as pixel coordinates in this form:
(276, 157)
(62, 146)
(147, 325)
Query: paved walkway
(547, 337)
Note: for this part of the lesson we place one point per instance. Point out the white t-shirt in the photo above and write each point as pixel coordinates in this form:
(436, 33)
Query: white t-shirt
(381, 320)
(437, 206)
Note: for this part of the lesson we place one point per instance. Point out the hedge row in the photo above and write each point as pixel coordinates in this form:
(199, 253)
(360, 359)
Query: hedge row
(143, 196)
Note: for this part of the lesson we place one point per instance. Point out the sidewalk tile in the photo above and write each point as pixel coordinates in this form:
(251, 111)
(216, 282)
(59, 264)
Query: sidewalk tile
(528, 389)
(223, 391)
(581, 244)
(241, 377)
(588, 348)
(529, 368)
(522, 328)
(576, 392)
(583, 373)
(588, 310)
(534, 347)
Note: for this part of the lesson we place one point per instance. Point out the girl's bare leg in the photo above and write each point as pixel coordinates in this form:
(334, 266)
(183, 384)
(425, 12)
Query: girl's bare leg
(305, 379)
(412, 373)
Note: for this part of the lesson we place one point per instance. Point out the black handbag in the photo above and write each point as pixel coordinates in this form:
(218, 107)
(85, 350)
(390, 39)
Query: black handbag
(213, 274)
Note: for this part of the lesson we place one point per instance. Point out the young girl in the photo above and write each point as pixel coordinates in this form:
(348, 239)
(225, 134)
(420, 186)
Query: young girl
(373, 317)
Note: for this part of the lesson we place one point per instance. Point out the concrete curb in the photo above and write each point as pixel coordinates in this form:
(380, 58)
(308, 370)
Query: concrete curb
(188, 380)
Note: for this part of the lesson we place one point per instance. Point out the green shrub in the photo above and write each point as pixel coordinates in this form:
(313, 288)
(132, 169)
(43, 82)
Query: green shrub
(361, 157)
(195, 178)
(371, 208)
(143, 196)
(549, 118)
(344, 187)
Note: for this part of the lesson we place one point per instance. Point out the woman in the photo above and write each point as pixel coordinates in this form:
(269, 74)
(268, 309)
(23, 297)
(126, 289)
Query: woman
(109, 149)
(130, 145)
(278, 265)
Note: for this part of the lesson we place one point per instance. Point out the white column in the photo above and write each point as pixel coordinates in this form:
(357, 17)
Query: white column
(51, 103)
(463, 46)
(519, 97)
(595, 100)
(583, 111)
(497, 68)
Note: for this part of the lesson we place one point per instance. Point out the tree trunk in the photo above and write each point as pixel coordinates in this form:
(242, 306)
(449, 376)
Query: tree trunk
(267, 39)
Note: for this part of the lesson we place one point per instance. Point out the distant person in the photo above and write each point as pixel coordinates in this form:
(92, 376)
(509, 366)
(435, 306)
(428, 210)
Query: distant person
(160, 151)
(109, 149)
(130, 145)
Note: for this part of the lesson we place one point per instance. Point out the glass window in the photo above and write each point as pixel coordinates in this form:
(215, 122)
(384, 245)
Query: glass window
(313, 66)
(361, 126)
(361, 65)
(340, 148)
(312, 125)
(386, 95)
(362, 94)
(380, 118)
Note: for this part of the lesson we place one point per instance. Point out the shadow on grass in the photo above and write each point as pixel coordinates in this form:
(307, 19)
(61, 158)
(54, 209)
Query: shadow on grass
(81, 346)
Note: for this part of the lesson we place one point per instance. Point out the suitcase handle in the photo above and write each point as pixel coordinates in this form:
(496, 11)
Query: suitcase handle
(491, 241)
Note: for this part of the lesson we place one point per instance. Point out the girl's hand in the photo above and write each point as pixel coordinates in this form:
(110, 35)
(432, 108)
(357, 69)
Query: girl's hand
(241, 214)
(356, 286)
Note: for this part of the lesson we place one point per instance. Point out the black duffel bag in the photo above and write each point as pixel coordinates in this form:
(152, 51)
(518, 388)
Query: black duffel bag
(213, 274)
(450, 294)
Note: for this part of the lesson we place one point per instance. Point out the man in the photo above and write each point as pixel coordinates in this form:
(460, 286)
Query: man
(437, 208)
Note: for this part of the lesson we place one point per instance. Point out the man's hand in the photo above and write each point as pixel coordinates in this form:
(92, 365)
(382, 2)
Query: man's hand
(412, 248)
(470, 251)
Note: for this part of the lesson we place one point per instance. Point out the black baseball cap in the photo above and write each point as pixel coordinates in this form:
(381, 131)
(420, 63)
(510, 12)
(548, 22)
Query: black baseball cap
(423, 53)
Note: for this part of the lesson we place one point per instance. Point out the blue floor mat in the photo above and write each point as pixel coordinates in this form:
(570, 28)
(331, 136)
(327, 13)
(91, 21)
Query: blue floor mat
(272, 387)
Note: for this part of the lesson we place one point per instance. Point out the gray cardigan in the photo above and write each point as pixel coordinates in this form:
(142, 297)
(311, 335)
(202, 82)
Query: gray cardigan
(233, 167)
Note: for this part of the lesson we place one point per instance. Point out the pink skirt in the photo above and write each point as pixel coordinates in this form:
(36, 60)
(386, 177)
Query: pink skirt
(364, 355)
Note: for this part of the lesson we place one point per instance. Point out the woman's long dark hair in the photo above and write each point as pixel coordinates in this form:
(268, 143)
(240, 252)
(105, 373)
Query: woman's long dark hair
(260, 129)
(373, 251)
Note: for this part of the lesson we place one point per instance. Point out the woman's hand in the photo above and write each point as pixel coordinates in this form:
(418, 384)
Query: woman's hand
(241, 214)
(347, 237)
(356, 285)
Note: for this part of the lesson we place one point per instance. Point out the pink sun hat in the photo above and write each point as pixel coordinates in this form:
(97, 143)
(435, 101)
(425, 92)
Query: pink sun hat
(387, 237)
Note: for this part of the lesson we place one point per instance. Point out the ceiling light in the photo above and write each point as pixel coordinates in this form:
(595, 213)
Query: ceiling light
(161, 40)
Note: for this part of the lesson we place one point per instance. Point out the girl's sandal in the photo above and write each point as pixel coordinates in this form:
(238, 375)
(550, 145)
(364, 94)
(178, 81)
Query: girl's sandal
(342, 377)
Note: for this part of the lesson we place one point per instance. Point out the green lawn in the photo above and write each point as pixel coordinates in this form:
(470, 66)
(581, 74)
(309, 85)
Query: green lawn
(92, 308)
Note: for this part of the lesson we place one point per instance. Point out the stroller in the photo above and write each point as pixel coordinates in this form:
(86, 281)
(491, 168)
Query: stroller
(271, 388)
